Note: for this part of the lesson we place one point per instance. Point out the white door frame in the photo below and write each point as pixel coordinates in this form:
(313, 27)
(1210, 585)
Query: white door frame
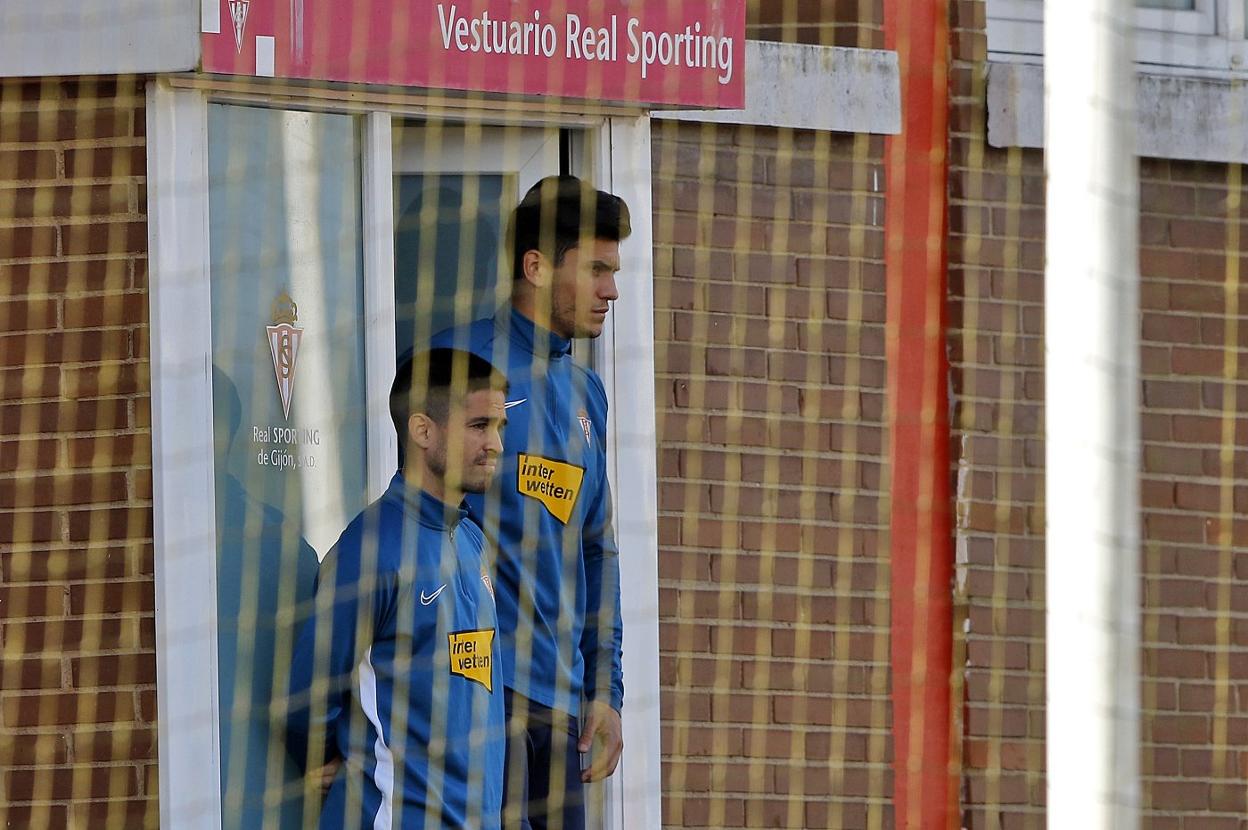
(626, 361)
(183, 495)
(182, 461)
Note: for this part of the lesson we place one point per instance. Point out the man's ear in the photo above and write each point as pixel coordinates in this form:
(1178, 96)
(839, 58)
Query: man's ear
(537, 268)
(420, 430)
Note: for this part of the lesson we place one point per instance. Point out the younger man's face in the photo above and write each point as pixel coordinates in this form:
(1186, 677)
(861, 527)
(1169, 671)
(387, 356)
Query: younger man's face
(583, 288)
(465, 449)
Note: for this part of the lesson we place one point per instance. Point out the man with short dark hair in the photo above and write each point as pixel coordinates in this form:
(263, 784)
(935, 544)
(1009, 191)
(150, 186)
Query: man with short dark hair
(557, 573)
(395, 677)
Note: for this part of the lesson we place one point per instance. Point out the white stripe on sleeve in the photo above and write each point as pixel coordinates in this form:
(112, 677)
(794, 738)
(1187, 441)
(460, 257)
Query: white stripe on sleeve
(383, 775)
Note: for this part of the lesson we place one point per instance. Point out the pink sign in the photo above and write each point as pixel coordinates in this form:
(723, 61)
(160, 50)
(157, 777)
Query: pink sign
(675, 52)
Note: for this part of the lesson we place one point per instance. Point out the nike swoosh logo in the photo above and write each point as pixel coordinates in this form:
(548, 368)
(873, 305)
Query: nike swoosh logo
(428, 599)
(510, 404)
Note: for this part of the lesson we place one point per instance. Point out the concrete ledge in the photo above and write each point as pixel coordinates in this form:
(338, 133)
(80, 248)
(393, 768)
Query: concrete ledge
(1193, 119)
(97, 37)
(828, 88)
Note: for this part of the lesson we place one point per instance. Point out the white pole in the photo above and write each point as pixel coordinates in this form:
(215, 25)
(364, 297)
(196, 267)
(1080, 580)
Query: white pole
(1091, 414)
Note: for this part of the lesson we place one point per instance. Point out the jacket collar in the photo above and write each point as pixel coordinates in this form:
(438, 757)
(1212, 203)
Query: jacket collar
(429, 510)
(532, 337)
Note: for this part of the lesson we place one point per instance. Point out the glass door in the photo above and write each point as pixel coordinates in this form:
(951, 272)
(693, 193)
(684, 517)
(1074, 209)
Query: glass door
(289, 426)
(455, 186)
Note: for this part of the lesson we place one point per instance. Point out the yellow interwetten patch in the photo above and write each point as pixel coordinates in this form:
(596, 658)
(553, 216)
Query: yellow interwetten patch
(553, 483)
(472, 656)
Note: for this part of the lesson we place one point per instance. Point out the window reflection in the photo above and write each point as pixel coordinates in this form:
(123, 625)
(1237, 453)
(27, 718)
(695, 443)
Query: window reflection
(288, 412)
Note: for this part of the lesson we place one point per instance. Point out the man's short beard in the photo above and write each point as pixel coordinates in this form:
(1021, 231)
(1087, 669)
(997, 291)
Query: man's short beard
(470, 487)
(477, 486)
(435, 461)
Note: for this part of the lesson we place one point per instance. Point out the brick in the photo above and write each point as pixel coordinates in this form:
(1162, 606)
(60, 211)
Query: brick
(24, 279)
(17, 165)
(33, 673)
(1189, 233)
(136, 669)
(105, 162)
(113, 597)
(1171, 394)
(1197, 429)
(1175, 528)
(33, 601)
(70, 635)
(130, 741)
(65, 347)
(33, 749)
(70, 201)
(64, 417)
(147, 705)
(75, 782)
(1199, 298)
(91, 524)
(105, 380)
(115, 450)
(1173, 460)
(1167, 198)
(121, 237)
(1178, 795)
(28, 241)
(114, 812)
(1228, 797)
(28, 454)
(1177, 663)
(32, 382)
(43, 815)
(116, 309)
(63, 489)
(31, 527)
(46, 709)
(29, 314)
(72, 565)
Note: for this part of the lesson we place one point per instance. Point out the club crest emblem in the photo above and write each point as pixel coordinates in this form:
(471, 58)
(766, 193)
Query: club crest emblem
(284, 339)
(238, 16)
(586, 425)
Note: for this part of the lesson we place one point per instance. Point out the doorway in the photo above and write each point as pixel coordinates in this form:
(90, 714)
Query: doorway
(454, 188)
(320, 220)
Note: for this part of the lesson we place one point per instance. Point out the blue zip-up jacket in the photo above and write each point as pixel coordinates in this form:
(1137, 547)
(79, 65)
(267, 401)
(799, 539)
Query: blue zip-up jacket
(397, 671)
(548, 515)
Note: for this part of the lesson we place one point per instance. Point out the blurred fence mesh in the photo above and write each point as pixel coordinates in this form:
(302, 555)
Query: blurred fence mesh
(771, 386)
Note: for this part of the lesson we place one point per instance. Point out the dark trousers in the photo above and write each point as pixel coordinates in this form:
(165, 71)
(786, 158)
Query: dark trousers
(542, 787)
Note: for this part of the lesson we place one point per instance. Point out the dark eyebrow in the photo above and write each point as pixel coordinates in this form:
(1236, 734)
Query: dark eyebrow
(602, 263)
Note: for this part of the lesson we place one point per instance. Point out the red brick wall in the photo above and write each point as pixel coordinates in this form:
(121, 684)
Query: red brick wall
(1194, 483)
(769, 318)
(1195, 648)
(996, 265)
(854, 23)
(77, 683)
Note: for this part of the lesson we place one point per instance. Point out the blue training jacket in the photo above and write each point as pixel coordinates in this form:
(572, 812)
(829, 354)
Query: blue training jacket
(397, 671)
(548, 514)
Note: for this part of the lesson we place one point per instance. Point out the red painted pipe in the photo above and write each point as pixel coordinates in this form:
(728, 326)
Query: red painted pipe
(916, 168)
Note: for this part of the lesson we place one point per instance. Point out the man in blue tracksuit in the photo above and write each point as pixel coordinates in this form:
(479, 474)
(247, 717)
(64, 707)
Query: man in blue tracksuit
(395, 680)
(557, 576)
